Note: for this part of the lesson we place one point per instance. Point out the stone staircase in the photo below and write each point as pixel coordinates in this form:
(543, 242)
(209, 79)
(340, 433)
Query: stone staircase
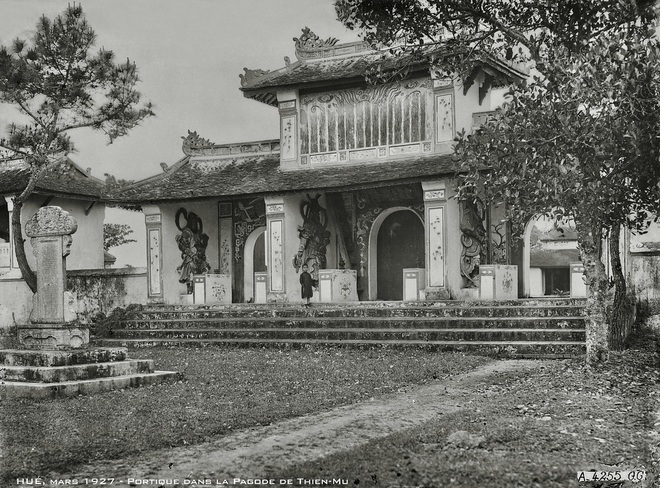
(520, 328)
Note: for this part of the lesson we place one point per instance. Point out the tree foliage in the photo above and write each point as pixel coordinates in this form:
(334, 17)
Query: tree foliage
(58, 84)
(516, 30)
(115, 235)
(580, 139)
(583, 141)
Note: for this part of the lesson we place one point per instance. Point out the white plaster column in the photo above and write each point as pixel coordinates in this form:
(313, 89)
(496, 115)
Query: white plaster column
(153, 220)
(435, 216)
(14, 271)
(275, 248)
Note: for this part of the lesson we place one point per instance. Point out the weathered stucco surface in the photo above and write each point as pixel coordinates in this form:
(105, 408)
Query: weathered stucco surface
(98, 291)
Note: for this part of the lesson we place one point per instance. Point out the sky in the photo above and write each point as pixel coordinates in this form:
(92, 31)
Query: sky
(189, 55)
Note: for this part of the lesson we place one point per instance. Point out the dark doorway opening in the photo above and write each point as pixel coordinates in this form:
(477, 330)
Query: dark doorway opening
(400, 245)
(259, 254)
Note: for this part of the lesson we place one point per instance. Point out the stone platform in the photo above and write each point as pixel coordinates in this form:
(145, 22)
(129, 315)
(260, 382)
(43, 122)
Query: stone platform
(69, 372)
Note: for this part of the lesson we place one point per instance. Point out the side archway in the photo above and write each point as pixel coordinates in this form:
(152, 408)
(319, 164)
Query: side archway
(254, 244)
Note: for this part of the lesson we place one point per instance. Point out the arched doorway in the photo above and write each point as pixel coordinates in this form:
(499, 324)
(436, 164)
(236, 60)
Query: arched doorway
(399, 244)
(550, 246)
(255, 260)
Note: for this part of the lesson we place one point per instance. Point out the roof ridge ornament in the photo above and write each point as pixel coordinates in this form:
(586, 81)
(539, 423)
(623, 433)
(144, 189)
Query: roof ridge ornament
(194, 141)
(310, 46)
(309, 41)
(251, 75)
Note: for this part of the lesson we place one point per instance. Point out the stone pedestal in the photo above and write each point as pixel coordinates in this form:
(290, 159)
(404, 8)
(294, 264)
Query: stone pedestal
(498, 282)
(212, 288)
(578, 284)
(260, 287)
(62, 373)
(54, 360)
(337, 285)
(414, 281)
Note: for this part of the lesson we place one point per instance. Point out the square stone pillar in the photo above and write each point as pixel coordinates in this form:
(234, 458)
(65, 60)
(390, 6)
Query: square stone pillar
(435, 210)
(153, 220)
(275, 247)
(53, 310)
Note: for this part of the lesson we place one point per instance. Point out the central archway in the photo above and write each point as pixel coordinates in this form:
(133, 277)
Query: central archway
(396, 242)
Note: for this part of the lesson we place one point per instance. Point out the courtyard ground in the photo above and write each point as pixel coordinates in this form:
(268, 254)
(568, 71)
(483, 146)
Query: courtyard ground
(429, 420)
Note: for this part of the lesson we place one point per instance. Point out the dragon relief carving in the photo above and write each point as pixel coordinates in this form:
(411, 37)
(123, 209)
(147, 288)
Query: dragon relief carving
(473, 238)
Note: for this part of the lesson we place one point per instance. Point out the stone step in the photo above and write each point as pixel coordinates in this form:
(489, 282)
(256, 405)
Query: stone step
(20, 389)
(550, 349)
(58, 374)
(347, 322)
(324, 310)
(422, 334)
(47, 358)
(536, 302)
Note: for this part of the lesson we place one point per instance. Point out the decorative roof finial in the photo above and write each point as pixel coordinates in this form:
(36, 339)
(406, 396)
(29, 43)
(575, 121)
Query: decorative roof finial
(251, 75)
(309, 41)
(194, 141)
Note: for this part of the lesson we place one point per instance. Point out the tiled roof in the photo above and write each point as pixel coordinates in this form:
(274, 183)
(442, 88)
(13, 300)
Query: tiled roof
(197, 179)
(260, 84)
(71, 181)
(543, 258)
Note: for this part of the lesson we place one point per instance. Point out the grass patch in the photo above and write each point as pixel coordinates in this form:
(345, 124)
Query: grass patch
(539, 429)
(221, 390)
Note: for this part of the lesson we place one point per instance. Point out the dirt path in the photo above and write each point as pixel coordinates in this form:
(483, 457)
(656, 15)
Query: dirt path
(250, 453)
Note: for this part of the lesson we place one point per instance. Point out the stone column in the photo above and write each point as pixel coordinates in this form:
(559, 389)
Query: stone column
(435, 205)
(153, 220)
(14, 270)
(53, 309)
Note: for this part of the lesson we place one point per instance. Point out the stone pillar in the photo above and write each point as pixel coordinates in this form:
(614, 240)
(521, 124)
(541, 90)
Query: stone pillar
(14, 270)
(153, 220)
(275, 249)
(435, 207)
(53, 310)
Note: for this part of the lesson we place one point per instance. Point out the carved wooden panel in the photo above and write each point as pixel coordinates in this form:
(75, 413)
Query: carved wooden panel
(395, 113)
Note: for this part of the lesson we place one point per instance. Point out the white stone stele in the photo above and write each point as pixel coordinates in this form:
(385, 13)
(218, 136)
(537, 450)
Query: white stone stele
(337, 285)
(498, 282)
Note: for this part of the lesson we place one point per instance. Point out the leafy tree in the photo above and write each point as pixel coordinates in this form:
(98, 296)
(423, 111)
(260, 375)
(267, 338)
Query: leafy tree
(516, 30)
(580, 139)
(582, 142)
(58, 85)
(115, 235)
